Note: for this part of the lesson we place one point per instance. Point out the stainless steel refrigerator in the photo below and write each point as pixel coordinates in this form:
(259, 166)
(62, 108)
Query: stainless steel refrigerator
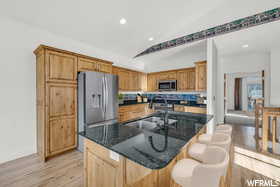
(97, 101)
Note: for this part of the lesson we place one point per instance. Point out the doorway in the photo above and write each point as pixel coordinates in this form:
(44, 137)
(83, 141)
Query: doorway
(241, 92)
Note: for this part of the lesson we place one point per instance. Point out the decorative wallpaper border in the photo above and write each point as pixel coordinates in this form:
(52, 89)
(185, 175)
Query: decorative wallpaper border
(243, 23)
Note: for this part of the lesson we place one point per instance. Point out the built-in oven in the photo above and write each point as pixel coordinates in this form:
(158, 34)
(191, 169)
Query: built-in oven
(167, 85)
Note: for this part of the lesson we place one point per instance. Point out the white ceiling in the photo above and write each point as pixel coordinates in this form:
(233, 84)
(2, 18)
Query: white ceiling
(97, 22)
(174, 58)
(260, 39)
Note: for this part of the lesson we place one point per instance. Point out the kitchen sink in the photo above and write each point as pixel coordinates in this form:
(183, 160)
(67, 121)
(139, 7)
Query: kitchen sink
(159, 121)
(151, 123)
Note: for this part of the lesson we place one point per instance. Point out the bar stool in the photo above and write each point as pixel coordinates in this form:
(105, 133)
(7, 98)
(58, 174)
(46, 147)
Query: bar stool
(191, 173)
(197, 150)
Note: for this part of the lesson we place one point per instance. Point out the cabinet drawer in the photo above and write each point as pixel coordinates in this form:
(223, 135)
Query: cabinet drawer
(86, 65)
(61, 67)
(62, 135)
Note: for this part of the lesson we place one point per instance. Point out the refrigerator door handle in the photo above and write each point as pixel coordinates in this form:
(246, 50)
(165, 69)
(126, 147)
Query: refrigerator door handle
(103, 97)
(107, 93)
(99, 100)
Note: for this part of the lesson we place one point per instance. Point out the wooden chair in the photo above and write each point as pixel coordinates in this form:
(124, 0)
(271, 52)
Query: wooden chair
(269, 127)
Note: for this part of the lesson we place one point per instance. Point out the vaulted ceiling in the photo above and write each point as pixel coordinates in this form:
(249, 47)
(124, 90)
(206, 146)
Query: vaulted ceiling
(97, 22)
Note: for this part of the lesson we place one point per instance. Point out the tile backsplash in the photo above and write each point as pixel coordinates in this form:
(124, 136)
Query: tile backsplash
(187, 97)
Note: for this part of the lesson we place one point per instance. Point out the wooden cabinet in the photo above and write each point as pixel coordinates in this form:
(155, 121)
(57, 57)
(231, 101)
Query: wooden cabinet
(56, 91)
(186, 79)
(130, 112)
(152, 82)
(124, 81)
(201, 76)
(182, 108)
(104, 67)
(62, 135)
(60, 67)
(143, 82)
(88, 64)
(100, 169)
(168, 75)
(130, 80)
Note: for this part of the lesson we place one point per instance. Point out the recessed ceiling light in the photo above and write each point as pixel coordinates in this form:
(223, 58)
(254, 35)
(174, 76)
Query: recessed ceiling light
(245, 45)
(123, 21)
(151, 39)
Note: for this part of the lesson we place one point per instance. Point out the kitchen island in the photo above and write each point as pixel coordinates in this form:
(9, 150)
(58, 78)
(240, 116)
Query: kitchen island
(139, 152)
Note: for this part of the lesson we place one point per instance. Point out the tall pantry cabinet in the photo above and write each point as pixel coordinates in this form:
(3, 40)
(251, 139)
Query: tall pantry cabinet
(56, 84)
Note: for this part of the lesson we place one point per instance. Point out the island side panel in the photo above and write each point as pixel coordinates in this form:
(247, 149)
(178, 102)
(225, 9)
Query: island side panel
(102, 171)
(99, 169)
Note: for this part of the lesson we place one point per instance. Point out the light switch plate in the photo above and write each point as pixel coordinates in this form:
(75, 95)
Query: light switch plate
(114, 156)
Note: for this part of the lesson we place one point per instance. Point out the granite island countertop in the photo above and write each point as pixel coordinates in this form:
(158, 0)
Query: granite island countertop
(144, 142)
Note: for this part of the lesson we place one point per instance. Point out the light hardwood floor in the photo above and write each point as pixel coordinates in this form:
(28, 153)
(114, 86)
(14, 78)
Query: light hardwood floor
(67, 169)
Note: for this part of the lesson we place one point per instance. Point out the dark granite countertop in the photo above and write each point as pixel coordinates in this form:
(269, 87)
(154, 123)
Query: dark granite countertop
(132, 102)
(176, 102)
(143, 142)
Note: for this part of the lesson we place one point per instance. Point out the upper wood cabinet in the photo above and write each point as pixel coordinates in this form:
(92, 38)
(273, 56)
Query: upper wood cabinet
(60, 66)
(168, 75)
(104, 67)
(152, 82)
(87, 64)
(130, 80)
(186, 79)
(201, 76)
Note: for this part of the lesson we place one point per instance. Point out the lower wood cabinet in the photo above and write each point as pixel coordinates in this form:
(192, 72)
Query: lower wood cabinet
(130, 112)
(100, 169)
(182, 108)
(62, 135)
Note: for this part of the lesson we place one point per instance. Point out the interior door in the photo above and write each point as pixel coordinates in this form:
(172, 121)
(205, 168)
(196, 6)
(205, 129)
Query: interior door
(94, 98)
(111, 95)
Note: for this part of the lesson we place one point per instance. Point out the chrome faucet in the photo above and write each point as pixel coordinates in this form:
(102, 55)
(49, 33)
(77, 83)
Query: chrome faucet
(165, 117)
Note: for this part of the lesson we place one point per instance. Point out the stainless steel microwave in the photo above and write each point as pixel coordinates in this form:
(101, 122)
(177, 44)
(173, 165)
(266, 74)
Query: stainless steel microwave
(167, 85)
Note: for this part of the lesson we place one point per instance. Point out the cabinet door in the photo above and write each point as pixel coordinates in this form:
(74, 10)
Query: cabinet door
(104, 67)
(172, 75)
(134, 81)
(143, 82)
(190, 85)
(100, 173)
(85, 64)
(181, 80)
(61, 67)
(61, 100)
(123, 80)
(62, 135)
(201, 76)
(152, 82)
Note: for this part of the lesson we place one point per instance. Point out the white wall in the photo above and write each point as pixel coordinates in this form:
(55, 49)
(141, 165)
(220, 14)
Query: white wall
(275, 77)
(251, 62)
(212, 67)
(17, 80)
(176, 62)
